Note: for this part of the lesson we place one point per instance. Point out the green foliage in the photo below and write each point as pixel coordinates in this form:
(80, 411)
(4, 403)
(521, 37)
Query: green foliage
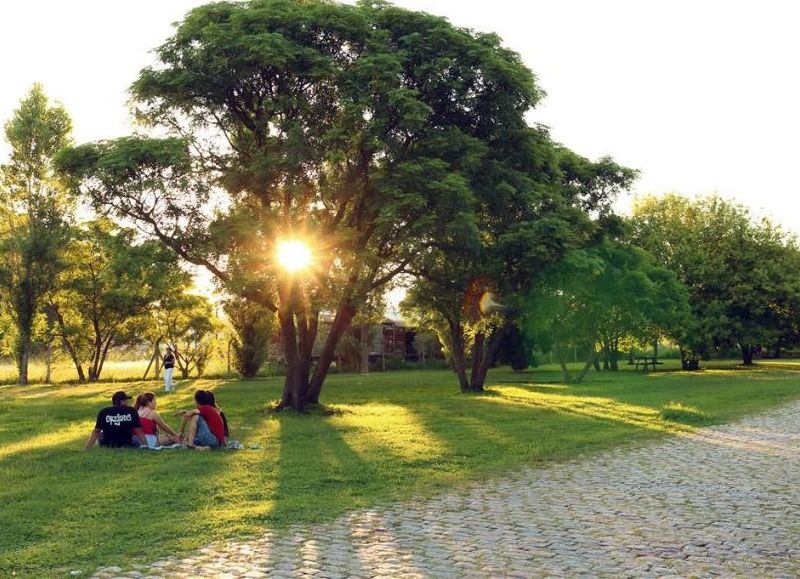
(188, 324)
(254, 328)
(427, 346)
(740, 274)
(601, 294)
(107, 293)
(515, 350)
(533, 202)
(34, 214)
(363, 129)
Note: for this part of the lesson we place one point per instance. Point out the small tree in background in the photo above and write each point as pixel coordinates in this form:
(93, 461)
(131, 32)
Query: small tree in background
(741, 273)
(426, 345)
(254, 327)
(515, 349)
(108, 291)
(187, 323)
(596, 296)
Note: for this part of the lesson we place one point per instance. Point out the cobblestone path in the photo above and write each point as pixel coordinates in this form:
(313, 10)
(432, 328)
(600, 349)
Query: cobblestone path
(725, 501)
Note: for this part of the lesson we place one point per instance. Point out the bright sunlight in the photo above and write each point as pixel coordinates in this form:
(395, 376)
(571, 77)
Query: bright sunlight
(294, 255)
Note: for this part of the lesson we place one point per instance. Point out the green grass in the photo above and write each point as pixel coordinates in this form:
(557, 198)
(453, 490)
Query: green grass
(63, 371)
(386, 437)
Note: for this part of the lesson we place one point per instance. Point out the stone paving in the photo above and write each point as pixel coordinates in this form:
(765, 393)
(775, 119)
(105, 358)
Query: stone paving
(724, 501)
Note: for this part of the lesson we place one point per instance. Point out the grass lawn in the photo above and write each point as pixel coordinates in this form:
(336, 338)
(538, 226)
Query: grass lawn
(113, 371)
(389, 436)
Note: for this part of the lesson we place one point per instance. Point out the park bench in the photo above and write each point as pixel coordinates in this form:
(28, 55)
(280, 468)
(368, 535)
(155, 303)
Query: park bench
(644, 362)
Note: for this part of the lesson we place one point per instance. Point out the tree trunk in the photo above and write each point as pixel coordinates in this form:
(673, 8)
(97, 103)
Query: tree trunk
(295, 384)
(153, 360)
(22, 363)
(104, 355)
(747, 355)
(95, 360)
(591, 360)
(689, 362)
(344, 315)
(364, 349)
(478, 380)
(457, 352)
(615, 355)
(52, 310)
(478, 355)
(48, 362)
(307, 326)
(561, 362)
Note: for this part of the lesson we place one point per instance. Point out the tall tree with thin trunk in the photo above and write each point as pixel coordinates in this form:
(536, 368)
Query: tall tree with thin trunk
(34, 214)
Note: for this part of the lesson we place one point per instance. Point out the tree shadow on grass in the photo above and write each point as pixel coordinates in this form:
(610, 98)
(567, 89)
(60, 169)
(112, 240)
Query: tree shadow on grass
(389, 443)
(94, 507)
(330, 464)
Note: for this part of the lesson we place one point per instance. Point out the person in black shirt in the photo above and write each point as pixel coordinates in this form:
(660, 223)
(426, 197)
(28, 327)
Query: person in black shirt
(117, 425)
(169, 365)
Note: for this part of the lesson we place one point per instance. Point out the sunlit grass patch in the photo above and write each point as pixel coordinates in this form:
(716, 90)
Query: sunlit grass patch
(683, 413)
(600, 408)
(388, 428)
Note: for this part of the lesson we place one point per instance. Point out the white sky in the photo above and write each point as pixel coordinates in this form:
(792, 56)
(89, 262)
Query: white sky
(701, 96)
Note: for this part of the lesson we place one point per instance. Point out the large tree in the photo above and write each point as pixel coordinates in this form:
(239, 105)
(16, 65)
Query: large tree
(356, 128)
(535, 201)
(34, 214)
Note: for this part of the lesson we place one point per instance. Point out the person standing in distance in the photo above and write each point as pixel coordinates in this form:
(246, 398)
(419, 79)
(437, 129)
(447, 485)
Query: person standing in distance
(117, 425)
(169, 366)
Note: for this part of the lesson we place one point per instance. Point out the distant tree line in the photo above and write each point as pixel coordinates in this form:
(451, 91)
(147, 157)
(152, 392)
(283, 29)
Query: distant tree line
(74, 282)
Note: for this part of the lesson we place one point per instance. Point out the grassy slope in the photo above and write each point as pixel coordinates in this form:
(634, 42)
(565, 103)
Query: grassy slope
(393, 435)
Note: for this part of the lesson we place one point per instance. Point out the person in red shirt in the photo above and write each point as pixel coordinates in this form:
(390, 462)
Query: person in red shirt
(206, 428)
(156, 430)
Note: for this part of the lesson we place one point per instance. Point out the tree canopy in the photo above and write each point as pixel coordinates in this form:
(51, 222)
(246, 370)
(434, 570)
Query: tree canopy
(363, 130)
(740, 273)
(600, 294)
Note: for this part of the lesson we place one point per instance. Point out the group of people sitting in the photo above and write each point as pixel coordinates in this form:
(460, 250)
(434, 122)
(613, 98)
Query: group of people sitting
(119, 425)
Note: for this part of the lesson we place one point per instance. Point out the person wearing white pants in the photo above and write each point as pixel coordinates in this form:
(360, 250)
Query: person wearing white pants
(169, 366)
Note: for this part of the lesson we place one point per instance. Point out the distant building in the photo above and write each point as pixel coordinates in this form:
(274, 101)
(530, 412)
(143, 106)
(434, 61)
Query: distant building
(390, 338)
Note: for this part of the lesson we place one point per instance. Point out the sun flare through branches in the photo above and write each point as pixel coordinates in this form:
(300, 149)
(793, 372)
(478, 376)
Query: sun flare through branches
(294, 255)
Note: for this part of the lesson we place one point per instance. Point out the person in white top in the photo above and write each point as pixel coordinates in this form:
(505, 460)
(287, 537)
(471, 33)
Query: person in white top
(169, 366)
